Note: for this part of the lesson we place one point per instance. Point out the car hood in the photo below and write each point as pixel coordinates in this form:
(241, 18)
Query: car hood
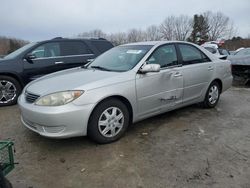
(5, 64)
(3, 61)
(75, 79)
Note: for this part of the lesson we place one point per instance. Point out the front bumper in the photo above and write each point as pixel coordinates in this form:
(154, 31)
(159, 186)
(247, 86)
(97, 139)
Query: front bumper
(65, 121)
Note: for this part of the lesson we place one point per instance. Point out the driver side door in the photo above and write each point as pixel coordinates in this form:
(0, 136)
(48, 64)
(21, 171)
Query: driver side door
(47, 60)
(160, 91)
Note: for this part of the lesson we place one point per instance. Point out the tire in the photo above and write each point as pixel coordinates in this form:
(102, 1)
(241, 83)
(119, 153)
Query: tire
(212, 95)
(10, 89)
(4, 183)
(7, 183)
(108, 122)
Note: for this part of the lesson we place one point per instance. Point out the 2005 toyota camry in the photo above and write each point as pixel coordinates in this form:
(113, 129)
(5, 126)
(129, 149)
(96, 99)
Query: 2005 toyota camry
(124, 85)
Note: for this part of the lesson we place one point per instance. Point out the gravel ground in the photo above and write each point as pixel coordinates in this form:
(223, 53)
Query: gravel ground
(191, 147)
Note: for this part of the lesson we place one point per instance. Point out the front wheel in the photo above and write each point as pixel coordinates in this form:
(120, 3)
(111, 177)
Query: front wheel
(212, 95)
(10, 89)
(108, 121)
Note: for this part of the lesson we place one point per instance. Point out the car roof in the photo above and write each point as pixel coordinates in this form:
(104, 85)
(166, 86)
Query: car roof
(153, 43)
(74, 39)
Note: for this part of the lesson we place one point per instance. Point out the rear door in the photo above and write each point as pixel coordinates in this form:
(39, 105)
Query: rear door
(75, 53)
(197, 70)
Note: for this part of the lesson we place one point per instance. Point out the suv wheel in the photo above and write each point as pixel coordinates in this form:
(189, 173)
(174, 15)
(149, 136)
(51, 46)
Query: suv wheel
(10, 89)
(108, 121)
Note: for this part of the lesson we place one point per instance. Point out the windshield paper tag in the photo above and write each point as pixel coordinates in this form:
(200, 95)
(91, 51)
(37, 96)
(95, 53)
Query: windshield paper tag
(134, 51)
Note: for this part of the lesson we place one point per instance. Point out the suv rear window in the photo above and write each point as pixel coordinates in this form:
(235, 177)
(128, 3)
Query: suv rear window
(74, 48)
(102, 46)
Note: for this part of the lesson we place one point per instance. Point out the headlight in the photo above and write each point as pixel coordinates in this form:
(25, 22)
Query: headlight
(59, 98)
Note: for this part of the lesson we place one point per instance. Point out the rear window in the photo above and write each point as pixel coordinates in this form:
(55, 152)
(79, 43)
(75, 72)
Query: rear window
(102, 46)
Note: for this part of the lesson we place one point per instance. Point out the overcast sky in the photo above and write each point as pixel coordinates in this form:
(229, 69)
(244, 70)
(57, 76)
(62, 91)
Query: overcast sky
(38, 20)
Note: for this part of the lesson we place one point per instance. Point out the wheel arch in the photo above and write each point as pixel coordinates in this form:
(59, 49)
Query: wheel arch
(13, 76)
(123, 99)
(219, 82)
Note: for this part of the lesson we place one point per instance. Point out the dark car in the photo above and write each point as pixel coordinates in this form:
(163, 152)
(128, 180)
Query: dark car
(40, 58)
(241, 64)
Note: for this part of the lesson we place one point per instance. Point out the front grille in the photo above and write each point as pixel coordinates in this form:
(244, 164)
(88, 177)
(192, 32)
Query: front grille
(30, 97)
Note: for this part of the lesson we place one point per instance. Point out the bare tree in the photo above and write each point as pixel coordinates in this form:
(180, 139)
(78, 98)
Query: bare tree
(136, 35)
(219, 25)
(182, 27)
(152, 33)
(118, 38)
(8, 45)
(167, 28)
(93, 33)
(231, 31)
(4, 45)
(176, 28)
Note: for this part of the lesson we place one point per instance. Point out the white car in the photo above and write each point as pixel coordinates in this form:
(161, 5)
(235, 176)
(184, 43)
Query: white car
(214, 49)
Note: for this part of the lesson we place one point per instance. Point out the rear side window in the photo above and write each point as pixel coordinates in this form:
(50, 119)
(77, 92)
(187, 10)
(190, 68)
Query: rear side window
(102, 46)
(192, 55)
(51, 49)
(74, 48)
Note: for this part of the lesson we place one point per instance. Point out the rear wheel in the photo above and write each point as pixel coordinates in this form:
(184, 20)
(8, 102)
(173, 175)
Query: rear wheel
(4, 183)
(108, 121)
(212, 95)
(10, 89)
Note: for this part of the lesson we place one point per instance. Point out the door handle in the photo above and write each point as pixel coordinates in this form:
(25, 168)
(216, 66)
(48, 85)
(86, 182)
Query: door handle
(210, 68)
(177, 74)
(59, 62)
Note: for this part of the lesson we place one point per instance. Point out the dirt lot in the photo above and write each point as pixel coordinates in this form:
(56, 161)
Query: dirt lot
(190, 147)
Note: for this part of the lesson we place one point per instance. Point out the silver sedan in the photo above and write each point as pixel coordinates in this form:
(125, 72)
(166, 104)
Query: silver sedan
(124, 85)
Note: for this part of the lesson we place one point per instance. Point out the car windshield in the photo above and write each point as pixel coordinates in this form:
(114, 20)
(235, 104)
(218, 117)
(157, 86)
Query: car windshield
(121, 58)
(19, 51)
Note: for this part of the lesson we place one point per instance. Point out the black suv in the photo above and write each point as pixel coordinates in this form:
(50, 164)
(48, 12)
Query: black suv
(40, 58)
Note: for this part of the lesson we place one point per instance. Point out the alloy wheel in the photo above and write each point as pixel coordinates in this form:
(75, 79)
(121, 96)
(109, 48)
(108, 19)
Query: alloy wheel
(7, 91)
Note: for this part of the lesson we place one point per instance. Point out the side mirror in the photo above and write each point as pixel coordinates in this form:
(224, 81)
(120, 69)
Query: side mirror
(30, 57)
(150, 68)
(223, 57)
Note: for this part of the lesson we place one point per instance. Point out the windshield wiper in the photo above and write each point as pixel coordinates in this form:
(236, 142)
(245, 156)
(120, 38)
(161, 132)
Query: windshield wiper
(100, 68)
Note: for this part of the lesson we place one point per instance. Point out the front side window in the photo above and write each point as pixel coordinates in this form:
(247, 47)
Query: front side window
(47, 50)
(165, 56)
(191, 55)
(121, 58)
